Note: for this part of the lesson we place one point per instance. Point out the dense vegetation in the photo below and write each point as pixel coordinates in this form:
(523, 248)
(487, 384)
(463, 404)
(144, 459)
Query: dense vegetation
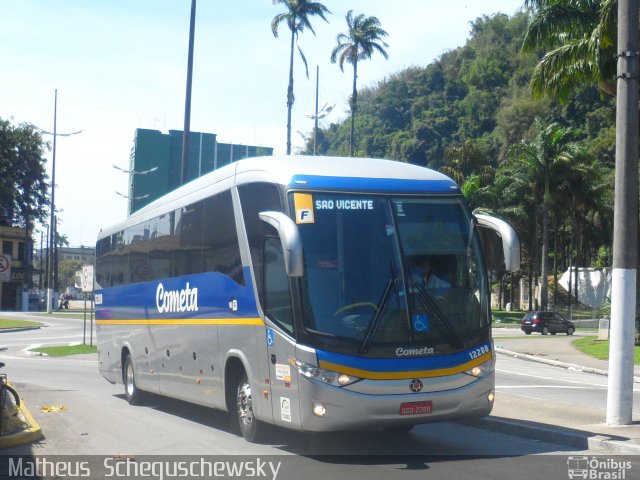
(471, 115)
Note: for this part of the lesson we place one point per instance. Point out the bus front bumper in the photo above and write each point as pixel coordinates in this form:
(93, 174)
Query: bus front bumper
(345, 409)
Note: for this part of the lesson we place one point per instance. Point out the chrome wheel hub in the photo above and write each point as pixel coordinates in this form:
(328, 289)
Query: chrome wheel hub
(245, 409)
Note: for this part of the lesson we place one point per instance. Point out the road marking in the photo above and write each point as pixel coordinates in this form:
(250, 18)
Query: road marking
(574, 387)
(31, 347)
(548, 378)
(41, 339)
(44, 358)
(548, 367)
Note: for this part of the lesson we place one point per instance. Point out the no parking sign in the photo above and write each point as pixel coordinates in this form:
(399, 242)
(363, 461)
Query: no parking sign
(87, 278)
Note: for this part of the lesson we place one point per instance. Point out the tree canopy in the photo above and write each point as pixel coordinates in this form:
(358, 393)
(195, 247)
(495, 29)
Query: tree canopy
(23, 179)
(478, 93)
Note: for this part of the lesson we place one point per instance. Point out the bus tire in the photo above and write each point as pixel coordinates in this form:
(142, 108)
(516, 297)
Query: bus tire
(131, 391)
(250, 427)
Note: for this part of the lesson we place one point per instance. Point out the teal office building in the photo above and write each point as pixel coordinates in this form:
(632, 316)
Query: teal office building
(156, 159)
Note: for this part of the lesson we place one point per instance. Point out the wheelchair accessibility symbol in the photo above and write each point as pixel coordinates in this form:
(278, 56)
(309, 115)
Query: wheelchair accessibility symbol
(420, 323)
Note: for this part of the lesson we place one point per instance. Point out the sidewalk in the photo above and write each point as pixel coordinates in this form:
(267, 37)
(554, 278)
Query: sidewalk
(18, 426)
(557, 422)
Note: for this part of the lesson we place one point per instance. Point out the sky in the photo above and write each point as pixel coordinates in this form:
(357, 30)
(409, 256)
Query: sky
(119, 65)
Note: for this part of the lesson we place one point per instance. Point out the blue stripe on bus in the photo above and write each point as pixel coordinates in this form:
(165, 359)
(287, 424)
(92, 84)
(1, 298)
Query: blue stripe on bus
(355, 184)
(218, 296)
(401, 364)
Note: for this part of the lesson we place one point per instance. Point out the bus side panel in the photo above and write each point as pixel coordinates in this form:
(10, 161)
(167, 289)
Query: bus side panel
(109, 362)
(189, 364)
(113, 340)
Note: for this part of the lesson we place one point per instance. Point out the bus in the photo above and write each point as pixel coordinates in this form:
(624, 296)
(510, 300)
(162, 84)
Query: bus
(284, 291)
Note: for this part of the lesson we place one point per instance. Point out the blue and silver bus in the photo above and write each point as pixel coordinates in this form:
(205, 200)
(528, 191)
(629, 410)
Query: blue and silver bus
(313, 293)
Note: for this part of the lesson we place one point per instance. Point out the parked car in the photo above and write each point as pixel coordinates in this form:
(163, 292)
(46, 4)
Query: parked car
(546, 322)
(37, 302)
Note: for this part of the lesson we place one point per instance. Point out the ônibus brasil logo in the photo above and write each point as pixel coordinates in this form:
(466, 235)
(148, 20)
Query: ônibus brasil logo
(597, 468)
(175, 301)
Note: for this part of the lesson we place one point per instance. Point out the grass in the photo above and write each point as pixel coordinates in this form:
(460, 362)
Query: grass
(11, 323)
(600, 348)
(66, 350)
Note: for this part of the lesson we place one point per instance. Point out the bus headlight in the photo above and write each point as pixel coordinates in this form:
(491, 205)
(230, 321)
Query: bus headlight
(325, 376)
(482, 369)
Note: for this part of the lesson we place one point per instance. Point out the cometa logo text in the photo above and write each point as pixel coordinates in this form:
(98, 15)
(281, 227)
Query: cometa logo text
(414, 352)
(175, 301)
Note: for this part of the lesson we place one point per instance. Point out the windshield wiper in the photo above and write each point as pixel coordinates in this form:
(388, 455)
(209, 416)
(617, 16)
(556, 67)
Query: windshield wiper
(375, 320)
(429, 304)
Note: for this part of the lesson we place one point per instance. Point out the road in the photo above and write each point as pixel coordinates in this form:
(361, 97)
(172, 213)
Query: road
(96, 419)
(547, 382)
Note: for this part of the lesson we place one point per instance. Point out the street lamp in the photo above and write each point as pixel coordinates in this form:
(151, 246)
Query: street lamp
(53, 196)
(141, 197)
(323, 112)
(133, 172)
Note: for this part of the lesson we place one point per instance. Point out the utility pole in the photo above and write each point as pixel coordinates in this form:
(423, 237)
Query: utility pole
(315, 127)
(51, 235)
(50, 290)
(319, 113)
(187, 101)
(625, 221)
(40, 276)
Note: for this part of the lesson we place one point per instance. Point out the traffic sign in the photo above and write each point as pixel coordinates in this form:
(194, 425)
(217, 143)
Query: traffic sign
(5, 268)
(87, 278)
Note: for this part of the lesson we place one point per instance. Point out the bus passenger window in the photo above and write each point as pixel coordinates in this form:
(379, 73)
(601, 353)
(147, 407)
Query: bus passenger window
(221, 248)
(277, 298)
(256, 198)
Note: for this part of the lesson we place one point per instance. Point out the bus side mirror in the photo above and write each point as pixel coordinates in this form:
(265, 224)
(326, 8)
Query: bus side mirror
(499, 243)
(290, 239)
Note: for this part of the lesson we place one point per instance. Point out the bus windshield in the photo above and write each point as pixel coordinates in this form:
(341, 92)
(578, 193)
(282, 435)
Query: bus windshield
(384, 271)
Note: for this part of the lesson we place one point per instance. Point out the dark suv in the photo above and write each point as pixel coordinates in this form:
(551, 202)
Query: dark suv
(546, 322)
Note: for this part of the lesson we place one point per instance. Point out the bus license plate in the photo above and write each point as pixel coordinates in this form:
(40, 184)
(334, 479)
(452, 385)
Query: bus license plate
(415, 408)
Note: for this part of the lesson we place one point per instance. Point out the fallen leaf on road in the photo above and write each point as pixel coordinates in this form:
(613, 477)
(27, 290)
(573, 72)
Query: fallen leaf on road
(52, 408)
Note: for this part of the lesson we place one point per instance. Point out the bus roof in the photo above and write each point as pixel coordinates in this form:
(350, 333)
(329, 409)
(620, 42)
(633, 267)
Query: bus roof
(300, 171)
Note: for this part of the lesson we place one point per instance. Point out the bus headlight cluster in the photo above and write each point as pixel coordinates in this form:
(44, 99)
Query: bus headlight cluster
(482, 369)
(325, 376)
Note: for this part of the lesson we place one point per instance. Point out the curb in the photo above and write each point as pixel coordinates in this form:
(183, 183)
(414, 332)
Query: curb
(557, 363)
(561, 436)
(18, 329)
(29, 435)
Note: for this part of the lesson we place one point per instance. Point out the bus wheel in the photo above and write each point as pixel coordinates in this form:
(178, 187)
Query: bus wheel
(130, 389)
(249, 425)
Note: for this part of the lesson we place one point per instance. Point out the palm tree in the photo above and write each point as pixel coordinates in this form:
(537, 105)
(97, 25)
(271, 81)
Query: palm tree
(62, 240)
(543, 160)
(580, 39)
(467, 158)
(359, 43)
(297, 18)
(586, 195)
